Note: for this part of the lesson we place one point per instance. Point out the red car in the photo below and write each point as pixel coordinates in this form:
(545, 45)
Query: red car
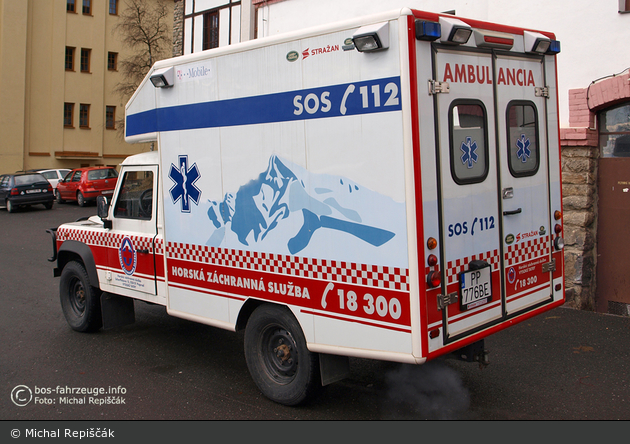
(85, 184)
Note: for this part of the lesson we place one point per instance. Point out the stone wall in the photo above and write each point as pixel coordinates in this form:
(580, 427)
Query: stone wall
(579, 200)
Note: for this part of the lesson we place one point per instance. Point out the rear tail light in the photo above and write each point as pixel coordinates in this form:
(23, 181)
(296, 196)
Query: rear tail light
(14, 192)
(558, 243)
(432, 260)
(434, 279)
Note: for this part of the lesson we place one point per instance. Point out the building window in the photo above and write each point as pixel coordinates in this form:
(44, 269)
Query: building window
(210, 30)
(84, 116)
(110, 117)
(69, 58)
(87, 7)
(624, 6)
(614, 131)
(70, 6)
(68, 112)
(112, 61)
(85, 59)
(113, 7)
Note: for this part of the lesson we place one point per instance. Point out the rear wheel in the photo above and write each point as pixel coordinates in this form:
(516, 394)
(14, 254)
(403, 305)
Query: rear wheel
(277, 358)
(48, 205)
(80, 199)
(80, 301)
(10, 207)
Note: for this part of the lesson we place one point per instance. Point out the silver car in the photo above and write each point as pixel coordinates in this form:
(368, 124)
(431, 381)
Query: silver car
(54, 176)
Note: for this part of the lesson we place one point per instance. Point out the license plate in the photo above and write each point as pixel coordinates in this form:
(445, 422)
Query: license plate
(33, 191)
(475, 288)
(108, 192)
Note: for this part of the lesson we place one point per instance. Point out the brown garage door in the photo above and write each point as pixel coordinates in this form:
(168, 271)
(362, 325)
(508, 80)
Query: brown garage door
(613, 231)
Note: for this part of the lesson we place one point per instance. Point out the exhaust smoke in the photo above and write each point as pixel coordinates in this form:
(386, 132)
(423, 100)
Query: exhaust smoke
(430, 391)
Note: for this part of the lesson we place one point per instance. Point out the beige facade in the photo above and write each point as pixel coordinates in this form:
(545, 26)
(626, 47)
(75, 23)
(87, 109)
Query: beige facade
(36, 87)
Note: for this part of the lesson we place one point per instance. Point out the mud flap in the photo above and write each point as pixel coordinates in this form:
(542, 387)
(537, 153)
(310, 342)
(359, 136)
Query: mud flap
(117, 310)
(333, 368)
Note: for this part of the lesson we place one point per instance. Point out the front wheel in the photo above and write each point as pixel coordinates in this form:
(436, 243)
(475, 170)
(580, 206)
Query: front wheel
(80, 301)
(277, 358)
(58, 197)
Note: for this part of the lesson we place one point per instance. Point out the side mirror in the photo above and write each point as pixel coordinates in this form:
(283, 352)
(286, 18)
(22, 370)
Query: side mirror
(102, 210)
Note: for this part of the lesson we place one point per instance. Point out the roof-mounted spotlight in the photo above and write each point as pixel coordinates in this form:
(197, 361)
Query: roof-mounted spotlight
(536, 42)
(372, 37)
(428, 31)
(454, 31)
(163, 78)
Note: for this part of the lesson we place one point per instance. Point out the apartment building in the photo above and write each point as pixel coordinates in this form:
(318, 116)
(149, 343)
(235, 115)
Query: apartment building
(59, 63)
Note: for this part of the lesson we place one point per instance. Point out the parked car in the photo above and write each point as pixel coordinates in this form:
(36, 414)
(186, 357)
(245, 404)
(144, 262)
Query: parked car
(54, 176)
(25, 189)
(86, 184)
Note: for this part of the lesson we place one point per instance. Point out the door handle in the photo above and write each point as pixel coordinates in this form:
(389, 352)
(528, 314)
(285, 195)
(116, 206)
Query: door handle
(509, 213)
(143, 251)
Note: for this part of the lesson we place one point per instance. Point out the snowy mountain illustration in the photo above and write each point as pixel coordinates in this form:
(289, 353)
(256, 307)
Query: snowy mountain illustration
(287, 209)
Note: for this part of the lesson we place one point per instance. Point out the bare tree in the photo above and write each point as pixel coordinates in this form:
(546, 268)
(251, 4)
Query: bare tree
(143, 27)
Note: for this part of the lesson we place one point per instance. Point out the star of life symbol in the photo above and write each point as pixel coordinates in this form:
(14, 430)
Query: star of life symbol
(184, 189)
(523, 151)
(470, 152)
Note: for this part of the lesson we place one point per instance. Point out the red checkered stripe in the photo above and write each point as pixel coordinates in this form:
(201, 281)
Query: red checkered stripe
(527, 250)
(392, 278)
(88, 237)
(159, 246)
(453, 268)
(111, 240)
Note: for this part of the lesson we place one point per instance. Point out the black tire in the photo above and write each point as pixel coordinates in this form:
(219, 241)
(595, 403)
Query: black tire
(48, 205)
(80, 301)
(277, 358)
(80, 199)
(58, 197)
(10, 207)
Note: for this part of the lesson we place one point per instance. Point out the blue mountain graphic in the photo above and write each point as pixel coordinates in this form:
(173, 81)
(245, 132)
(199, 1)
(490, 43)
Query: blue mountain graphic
(262, 205)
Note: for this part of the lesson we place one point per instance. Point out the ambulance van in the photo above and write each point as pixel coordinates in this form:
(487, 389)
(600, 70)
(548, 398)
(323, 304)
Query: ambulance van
(388, 188)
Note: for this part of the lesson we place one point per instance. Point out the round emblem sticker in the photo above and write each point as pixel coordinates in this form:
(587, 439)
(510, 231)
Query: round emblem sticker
(509, 239)
(511, 275)
(127, 256)
(292, 56)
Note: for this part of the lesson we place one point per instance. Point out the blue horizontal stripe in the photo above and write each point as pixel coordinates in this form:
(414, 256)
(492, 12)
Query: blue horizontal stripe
(373, 96)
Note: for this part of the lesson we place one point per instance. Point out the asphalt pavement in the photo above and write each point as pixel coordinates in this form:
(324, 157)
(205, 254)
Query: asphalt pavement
(564, 365)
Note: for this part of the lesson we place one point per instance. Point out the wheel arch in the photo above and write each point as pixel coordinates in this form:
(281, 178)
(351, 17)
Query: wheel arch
(72, 250)
(246, 312)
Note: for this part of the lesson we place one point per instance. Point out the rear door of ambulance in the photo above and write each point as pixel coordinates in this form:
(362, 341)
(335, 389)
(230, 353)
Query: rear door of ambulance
(493, 186)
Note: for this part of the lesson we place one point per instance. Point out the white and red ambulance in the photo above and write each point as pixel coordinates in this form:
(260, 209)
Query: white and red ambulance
(387, 187)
